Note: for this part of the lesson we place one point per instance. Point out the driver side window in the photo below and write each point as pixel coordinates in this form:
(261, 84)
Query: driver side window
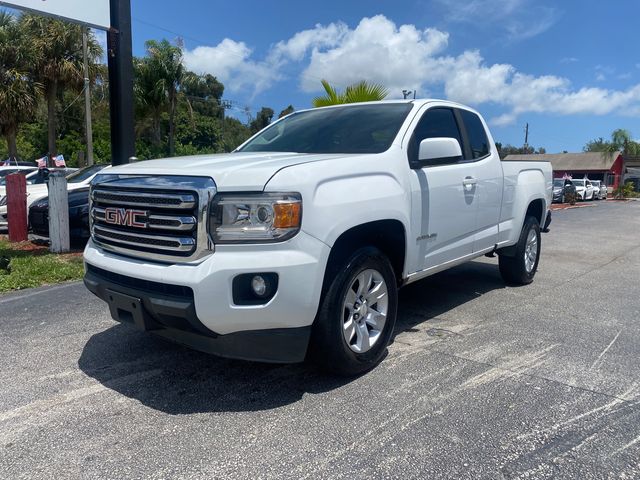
(436, 122)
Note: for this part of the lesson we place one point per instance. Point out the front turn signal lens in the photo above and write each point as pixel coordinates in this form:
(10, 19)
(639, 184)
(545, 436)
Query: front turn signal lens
(287, 215)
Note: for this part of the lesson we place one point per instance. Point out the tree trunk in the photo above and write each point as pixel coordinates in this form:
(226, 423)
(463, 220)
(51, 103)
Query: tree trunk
(157, 136)
(172, 126)
(51, 92)
(10, 135)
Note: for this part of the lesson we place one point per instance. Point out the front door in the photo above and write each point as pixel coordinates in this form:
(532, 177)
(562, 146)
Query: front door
(446, 197)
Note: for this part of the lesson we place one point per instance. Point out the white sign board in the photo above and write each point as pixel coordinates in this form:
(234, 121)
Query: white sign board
(94, 13)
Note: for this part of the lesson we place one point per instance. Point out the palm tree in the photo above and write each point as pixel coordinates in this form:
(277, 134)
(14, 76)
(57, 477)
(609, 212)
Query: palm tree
(160, 75)
(18, 92)
(362, 91)
(59, 65)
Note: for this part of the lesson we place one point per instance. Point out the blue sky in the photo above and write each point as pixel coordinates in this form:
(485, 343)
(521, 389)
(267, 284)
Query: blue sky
(570, 69)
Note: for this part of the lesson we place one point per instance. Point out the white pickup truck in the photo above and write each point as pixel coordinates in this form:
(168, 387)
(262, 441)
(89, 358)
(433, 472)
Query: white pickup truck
(295, 244)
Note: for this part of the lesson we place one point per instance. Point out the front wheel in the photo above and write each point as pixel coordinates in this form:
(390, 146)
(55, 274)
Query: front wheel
(357, 315)
(521, 268)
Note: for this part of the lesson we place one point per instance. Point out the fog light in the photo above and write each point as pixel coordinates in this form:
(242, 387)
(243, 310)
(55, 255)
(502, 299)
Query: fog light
(259, 285)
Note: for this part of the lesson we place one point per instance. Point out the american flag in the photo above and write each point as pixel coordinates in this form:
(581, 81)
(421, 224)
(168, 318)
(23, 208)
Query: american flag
(59, 161)
(42, 162)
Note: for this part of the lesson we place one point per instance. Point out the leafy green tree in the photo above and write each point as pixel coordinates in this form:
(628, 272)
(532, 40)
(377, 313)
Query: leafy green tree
(18, 90)
(286, 111)
(504, 150)
(203, 94)
(263, 118)
(596, 145)
(59, 64)
(362, 91)
(159, 76)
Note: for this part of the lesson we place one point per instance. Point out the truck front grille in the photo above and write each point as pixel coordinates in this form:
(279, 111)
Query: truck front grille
(151, 217)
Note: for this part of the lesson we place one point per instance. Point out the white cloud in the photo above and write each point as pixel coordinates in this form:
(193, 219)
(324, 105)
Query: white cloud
(517, 19)
(231, 62)
(408, 57)
(376, 50)
(297, 46)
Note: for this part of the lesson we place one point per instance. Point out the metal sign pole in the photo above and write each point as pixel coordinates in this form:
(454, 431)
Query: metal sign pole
(120, 60)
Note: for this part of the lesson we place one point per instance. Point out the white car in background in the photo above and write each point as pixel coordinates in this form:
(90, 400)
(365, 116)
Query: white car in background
(600, 190)
(6, 170)
(584, 189)
(37, 189)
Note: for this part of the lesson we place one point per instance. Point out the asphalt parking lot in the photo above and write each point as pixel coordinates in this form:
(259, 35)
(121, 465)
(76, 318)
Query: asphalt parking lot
(482, 381)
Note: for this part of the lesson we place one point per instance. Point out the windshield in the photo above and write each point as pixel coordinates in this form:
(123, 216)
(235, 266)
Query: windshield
(5, 172)
(558, 182)
(347, 129)
(84, 174)
(578, 183)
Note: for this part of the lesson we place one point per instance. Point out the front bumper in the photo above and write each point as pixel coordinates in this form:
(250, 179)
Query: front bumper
(192, 304)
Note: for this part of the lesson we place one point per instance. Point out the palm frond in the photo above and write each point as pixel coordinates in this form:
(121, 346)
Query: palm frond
(362, 91)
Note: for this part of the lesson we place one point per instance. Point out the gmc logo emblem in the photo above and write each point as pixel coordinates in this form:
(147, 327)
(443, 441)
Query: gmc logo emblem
(123, 216)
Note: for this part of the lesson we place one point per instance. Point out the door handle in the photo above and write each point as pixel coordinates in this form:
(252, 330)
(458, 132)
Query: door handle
(469, 183)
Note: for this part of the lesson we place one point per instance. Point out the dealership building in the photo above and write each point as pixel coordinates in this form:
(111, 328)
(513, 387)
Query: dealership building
(609, 168)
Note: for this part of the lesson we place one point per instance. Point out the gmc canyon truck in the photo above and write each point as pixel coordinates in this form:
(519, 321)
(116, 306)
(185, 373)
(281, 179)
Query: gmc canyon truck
(295, 244)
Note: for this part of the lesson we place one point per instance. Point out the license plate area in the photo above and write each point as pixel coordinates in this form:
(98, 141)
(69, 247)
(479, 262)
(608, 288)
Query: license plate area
(128, 309)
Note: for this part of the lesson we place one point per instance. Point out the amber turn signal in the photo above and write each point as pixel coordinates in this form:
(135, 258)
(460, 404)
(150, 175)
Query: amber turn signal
(287, 215)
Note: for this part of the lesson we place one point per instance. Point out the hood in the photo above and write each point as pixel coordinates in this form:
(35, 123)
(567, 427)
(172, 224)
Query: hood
(242, 171)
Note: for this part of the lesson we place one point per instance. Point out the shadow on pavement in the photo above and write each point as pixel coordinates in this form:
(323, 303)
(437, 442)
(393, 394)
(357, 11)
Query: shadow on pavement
(177, 380)
(427, 299)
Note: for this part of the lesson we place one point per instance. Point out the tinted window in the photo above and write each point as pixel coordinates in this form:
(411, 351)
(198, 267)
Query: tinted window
(82, 175)
(478, 141)
(436, 122)
(348, 129)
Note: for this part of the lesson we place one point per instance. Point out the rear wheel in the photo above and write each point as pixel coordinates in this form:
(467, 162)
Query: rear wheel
(357, 315)
(520, 268)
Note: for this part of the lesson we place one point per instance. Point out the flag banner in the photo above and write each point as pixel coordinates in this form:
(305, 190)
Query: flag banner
(7, 163)
(42, 162)
(59, 161)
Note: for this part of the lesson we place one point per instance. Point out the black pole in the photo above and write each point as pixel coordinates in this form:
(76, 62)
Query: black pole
(120, 59)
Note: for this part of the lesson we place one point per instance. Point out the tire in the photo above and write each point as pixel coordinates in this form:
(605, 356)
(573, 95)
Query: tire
(517, 269)
(336, 319)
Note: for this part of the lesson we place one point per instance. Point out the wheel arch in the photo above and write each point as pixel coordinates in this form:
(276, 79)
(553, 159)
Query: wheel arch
(389, 236)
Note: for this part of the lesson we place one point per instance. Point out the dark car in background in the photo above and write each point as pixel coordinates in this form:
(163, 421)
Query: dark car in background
(563, 188)
(78, 216)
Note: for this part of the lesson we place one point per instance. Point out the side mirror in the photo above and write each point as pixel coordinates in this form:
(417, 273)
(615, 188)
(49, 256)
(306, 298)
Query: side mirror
(437, 151)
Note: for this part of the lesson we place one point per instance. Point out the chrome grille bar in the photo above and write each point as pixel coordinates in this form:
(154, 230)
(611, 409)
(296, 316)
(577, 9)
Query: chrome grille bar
(170, 244)
(144, 199)
(162, 222)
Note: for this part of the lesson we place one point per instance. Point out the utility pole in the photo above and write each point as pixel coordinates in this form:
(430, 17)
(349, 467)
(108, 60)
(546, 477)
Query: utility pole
(406, 93)
(120, 59)
(87, 97)
(526, 136)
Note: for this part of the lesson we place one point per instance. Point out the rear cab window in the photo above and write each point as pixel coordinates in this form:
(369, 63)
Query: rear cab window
(478, 141)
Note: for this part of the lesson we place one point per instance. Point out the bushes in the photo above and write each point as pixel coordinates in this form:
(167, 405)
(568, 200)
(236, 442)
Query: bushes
(625, 191)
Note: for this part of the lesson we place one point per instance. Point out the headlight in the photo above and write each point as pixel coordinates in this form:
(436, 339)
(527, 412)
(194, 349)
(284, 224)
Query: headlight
(255, 218)
(3, 200)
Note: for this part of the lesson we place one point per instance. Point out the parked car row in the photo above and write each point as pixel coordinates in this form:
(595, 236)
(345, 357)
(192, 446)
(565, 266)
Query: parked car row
(38, 204)
(584, 189)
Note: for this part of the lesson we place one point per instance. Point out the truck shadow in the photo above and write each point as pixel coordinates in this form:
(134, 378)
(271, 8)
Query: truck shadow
(429, 298)
(176, 380)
